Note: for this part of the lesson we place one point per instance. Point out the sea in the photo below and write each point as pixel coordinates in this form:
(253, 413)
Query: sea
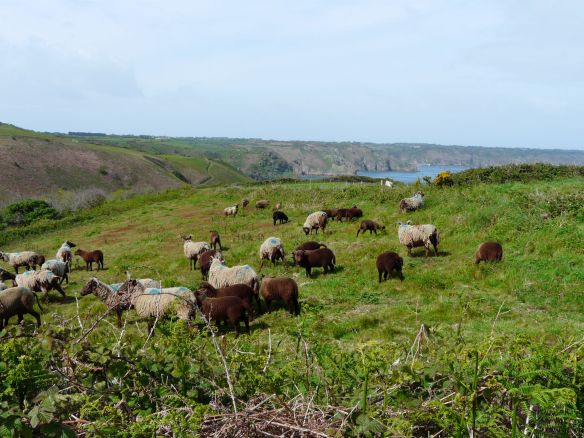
(411, 177)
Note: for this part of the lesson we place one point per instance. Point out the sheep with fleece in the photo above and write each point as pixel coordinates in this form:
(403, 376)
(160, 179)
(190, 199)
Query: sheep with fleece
(64, 252)
(40, 281)
(314, 221)
(231, 211)
(193, 250)
(108, 293)
(5, 275)
(154, 302)
(413, 203)
(272, 249)
(17, 301)
(412, 236)
(58, 268)
(29, 259)
(221, 276)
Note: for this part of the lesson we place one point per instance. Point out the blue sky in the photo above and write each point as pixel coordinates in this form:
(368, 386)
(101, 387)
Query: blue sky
(493, 73)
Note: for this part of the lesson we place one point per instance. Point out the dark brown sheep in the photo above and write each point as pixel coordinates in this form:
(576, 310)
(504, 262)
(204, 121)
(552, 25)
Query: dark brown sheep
(308, 246)
(489, 252)
(280, 216)
(331, 213)
(215, 240)
(232, 309)
(5, 276)
(318, 258)
(349, 213)
(262, 203)
(91, 257)
(389, 263)
(281, 288)
(244, 202)
(371, 226)
(243, 291)
(205, 260)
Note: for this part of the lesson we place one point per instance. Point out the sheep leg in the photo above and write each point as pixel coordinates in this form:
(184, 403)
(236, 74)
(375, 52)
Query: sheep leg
(409, 251)
(119, 315)
(60, 289)
(16, 269)
(426, 251)
(236, 327)
(269, 305)
(436, 249)
(246, 321)
(358, 231)
(308, 272)
(375, 232)
(150, 326)
(380, 274)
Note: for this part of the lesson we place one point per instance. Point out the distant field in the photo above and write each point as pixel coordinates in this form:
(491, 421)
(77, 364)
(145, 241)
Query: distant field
(518, 316)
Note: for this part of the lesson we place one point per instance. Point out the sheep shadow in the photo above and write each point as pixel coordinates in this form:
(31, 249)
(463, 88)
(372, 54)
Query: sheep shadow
(227, 328)
(421, 254)
(320, 272)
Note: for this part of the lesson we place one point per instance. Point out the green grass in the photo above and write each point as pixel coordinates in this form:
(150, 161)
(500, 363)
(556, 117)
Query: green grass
(535, 293)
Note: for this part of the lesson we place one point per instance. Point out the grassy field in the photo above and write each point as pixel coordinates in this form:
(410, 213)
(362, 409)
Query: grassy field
(359, 336)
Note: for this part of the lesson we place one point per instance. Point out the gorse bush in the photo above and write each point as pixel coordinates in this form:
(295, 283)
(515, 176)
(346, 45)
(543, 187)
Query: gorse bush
(27, 211)
(443, 179)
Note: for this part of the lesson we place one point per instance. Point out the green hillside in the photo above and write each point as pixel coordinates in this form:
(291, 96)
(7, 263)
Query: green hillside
(491, 350)
(43, 165)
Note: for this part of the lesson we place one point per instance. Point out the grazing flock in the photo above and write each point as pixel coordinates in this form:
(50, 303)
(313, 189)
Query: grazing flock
(226, 294)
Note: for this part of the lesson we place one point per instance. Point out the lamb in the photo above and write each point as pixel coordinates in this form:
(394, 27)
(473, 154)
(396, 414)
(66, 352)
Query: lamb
(231, 211)
(263, 203)
(489, 252)
(205, 260)
(314, 221)
(282, 288)
(232, 309)
(29, 259)
(244, 202)
(371, 226)
(58, 268)
(389, 263)
(280, 216)
(64, 252)
(193, 250)
(215, 240)
(272, 249)
(91, 257)
(110, 296)
(18, 301)
(413, 203)
(40, 281)
(323, 258)
(242, 291)
(349, 213)
(222, 276)
(412, 236)
(5, 275)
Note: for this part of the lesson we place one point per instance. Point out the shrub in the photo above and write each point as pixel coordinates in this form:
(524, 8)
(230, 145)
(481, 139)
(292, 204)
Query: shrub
(444, 178)
(29, 210)
(516, 172)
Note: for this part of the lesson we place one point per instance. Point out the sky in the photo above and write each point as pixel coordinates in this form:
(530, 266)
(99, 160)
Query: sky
(494, 73)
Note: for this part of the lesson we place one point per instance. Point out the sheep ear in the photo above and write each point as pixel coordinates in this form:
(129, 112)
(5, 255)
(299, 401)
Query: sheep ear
(409, 222)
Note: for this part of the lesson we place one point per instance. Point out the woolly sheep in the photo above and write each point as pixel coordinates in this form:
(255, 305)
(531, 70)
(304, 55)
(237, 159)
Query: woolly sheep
(5, 275)
(17, 301)
(314, 221)
(193, 250)
(222, 276)
(29, 259)
(412, 236)
(413, 203)
(231, 211)
(64, 252)
(272, 249)
(58, 268)
(40, 281)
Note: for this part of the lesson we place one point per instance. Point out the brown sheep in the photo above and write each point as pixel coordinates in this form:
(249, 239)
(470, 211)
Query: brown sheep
(18, 301)
(322, 258)
(489, 252)
(215, 240)
(389, 263)
(280, 216)
(243, 291)
(349, 213)
(205, 260)
(91, 257)
(5, 275)
(244, 202)
(262, 203)
(308, 246)
(371, 226)
(281, 288)
(331, 213)
(232, 309)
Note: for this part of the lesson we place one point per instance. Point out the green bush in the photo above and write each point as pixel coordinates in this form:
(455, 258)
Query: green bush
(516, 172)
(28, 211)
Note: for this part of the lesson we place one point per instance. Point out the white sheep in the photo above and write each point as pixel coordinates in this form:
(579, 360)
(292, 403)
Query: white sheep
(64, 253)
(40, 281)
(222, 276)
(193, 250)
(58, 268)
(387, 183)
(413, 203)
(314, 221)
(272, 249)
(29, 259)
(412, 236)
(231, 211)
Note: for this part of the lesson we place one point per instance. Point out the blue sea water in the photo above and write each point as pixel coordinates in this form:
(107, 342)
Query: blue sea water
(410, 177)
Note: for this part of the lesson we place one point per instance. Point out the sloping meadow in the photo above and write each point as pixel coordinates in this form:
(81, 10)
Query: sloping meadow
(494, 349)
